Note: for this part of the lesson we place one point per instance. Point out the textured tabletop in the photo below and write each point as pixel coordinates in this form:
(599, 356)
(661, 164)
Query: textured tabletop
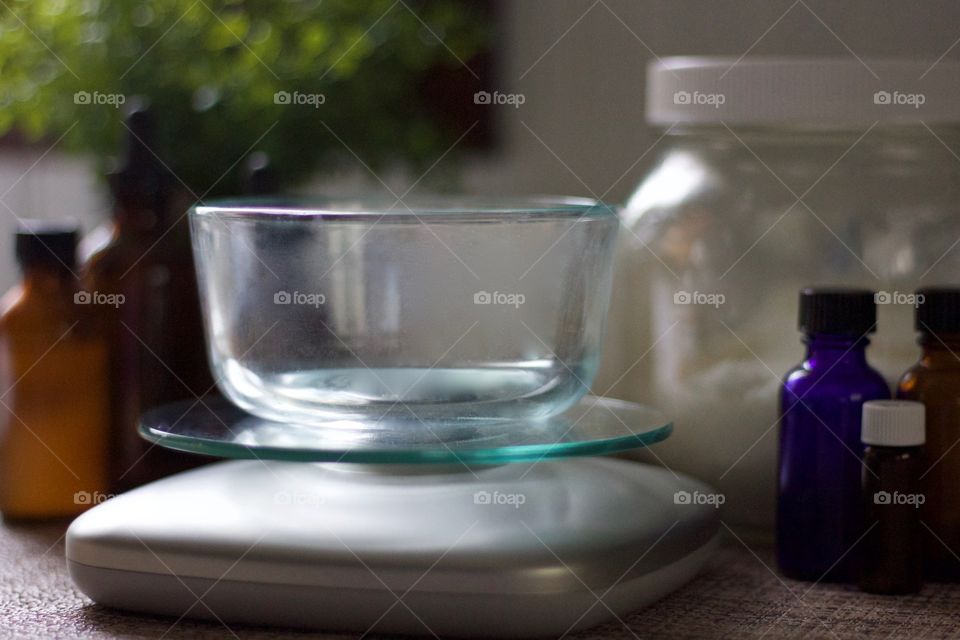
(738, 596)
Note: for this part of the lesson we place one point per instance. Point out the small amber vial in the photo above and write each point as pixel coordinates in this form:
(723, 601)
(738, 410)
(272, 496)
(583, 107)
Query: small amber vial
(892, 557)
(53, 412)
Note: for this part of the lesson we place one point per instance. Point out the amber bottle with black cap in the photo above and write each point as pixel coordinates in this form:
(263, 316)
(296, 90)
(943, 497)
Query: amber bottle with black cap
(154, 328)
(53, 396)
(935, 381)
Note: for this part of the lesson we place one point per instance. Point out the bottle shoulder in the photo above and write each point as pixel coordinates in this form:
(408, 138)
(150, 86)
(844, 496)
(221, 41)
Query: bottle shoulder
(112, 258)
(859, 378)
(921, 382)
(128, 256)
(11, 304)
(31, 313)
(96, 241)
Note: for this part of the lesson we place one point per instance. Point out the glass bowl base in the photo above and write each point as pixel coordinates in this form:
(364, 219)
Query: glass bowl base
(594, 426)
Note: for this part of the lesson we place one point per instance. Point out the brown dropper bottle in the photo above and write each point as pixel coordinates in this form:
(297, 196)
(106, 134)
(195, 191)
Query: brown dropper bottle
(155, 335)
(53, 405)
(935, 381)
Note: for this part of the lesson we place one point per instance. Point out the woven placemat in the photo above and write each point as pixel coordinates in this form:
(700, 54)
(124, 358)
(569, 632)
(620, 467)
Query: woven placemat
(737, 596)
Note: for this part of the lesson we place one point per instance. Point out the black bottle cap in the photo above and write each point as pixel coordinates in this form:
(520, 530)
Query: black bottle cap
(847, 312)
(259, 176)
(938, 310)
(47, 244)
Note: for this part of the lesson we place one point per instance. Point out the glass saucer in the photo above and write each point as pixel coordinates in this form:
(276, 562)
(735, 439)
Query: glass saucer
(594, 426)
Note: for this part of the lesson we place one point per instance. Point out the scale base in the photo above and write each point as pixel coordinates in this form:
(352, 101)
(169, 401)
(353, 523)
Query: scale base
(520, 550)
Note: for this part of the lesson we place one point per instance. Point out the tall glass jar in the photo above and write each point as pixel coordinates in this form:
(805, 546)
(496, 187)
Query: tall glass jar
(774, 174)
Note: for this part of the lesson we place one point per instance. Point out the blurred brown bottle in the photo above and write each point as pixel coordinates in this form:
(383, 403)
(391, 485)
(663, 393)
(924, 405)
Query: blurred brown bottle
(53, 391)
(935, 381)
(155, 334)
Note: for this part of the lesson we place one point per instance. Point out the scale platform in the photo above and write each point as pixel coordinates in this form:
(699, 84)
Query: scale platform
(469, 546)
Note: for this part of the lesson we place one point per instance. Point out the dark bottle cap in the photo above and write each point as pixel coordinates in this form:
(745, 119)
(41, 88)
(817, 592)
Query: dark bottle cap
(847, 312)
(47, 244)
(938, 310)
(259, 176)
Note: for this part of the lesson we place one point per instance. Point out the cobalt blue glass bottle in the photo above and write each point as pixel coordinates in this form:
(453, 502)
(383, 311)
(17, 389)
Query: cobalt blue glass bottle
(819, 519)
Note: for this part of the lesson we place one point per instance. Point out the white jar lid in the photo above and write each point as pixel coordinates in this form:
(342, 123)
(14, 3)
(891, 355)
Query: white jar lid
(893, 423)
(811, 91)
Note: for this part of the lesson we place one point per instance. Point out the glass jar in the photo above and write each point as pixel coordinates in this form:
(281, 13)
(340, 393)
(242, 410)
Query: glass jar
(774, 174)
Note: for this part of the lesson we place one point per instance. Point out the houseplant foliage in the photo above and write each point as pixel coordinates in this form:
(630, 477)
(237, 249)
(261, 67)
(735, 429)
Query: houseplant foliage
(303, 80)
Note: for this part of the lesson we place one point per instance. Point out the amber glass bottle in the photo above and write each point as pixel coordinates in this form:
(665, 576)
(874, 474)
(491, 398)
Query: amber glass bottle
(157, 352)
(935, 381)
(53, 378)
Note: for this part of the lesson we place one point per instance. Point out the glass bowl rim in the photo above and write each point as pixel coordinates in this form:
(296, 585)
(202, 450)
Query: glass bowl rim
(461, 207)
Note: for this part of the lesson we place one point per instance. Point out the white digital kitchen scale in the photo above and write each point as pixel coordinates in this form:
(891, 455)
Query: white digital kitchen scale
(458, 530)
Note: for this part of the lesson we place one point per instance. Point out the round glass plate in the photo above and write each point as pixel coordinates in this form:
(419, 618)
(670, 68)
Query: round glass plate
(594, 426)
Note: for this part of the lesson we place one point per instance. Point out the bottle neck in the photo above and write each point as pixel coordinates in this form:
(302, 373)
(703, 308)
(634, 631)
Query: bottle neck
(940, 350)
(830, 350)
(44, 279)
(134, 218)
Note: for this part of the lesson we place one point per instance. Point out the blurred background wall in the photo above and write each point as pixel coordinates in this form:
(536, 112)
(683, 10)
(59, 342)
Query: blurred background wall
(580, 67)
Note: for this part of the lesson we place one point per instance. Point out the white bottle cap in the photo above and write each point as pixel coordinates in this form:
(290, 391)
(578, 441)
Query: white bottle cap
(838, 92)
(893, 423)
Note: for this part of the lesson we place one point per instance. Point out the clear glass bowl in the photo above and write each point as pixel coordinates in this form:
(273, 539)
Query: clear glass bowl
(438, 310)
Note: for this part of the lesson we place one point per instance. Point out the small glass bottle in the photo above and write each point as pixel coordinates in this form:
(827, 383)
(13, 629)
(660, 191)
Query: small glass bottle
(53, 385)
(818, 503)
(891, 560)
(935, 381)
